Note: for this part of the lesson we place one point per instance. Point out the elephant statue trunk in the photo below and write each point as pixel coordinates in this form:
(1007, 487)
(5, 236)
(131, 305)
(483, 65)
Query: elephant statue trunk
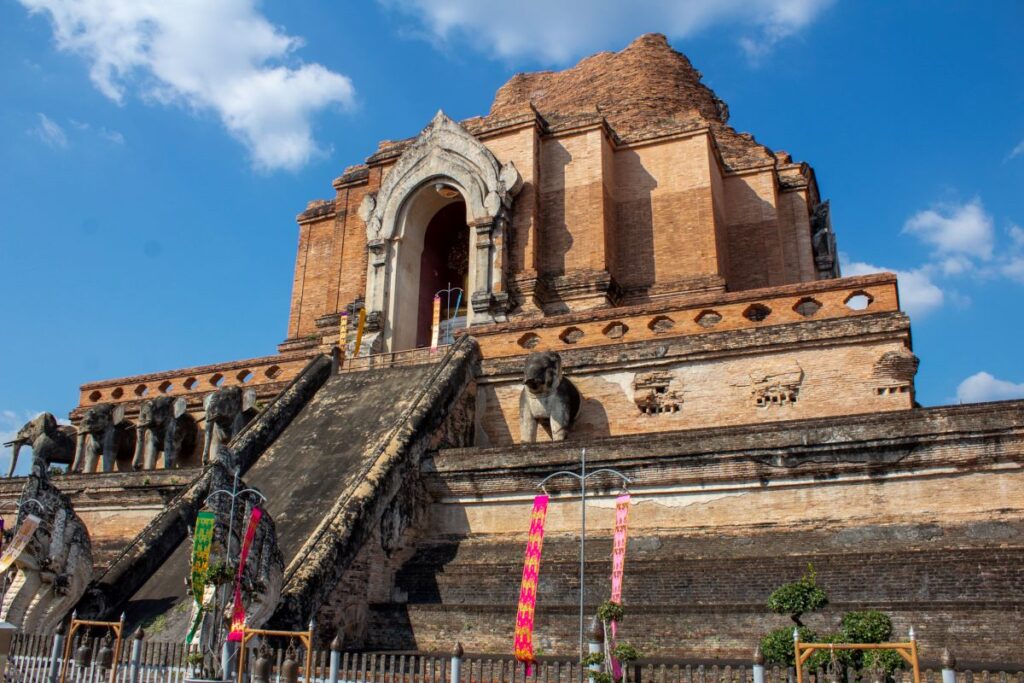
(164, 426)
(15, 449)
(50, 442)
(226, 412)
(102, 430)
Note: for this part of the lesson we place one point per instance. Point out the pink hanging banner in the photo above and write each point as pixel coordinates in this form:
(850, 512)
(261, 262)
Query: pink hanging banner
(618, 565)
(238, 613)
(528, 588)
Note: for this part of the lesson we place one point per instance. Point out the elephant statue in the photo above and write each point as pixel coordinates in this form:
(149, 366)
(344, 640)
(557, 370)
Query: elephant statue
(49, 441)
(164, 425)
(228, 410)
(547, 397)
(54, 567)
(102, 430)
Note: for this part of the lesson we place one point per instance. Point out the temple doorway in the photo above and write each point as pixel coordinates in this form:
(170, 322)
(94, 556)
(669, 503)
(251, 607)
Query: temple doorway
(444, 270)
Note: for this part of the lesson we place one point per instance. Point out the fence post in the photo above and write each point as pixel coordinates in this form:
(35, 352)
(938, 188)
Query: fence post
(136, 661)
(457, 663)
(335, 657)
(948, 667)
(758, 667)
(56, 652)
(595, 645)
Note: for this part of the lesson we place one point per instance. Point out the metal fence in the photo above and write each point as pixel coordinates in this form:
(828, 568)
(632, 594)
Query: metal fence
(35, 659)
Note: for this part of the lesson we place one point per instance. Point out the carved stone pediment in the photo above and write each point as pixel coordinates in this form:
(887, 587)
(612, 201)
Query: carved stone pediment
(444, 149)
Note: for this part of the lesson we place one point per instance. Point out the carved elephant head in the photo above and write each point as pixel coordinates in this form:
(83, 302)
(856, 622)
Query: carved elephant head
(50, 442)
(542, 372)
(164, 426)
(227, 411)
(102, 430)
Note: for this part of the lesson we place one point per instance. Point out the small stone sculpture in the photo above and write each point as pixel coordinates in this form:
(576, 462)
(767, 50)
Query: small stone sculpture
(103, 430)
(164, 427)
(54, 568)
(49, 441)
(228, 410)
(547, 397)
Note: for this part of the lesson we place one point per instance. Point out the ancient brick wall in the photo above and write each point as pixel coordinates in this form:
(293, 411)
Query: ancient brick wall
(917, 514)
(786, 372)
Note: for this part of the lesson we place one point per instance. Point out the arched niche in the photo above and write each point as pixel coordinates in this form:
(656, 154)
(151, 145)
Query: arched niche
(396, 217)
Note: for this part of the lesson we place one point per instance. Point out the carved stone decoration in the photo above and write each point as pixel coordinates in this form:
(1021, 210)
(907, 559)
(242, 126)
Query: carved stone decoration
(894, 372)
(547, 398)
(653, 393)
(776, 388)
(49, 441)
(227, 411)
(445, 152)
(164, 427)
(102, 431)
(823, 242)
(52, 572)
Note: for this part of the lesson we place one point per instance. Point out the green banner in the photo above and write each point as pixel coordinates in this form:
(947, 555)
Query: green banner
(202, 539)
(201, 542)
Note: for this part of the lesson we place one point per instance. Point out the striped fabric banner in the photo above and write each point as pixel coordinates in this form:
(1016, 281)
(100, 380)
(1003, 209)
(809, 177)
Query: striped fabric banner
(528, 588)
(618, 566)
(238, 615)
(435, 323)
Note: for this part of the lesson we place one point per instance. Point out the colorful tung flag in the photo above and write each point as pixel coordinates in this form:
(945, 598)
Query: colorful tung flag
(360, 326)
(202, 539)
(618, 566)
(528, 588)
(238, 614)
(435, 324)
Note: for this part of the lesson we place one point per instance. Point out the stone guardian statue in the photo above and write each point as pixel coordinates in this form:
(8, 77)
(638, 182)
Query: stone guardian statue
(547, 398)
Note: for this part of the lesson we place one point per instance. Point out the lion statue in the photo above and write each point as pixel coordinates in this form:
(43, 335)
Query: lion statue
(547, 398)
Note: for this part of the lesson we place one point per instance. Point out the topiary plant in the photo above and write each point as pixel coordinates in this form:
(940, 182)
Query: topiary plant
(868, 626)
(777, 645)
(798, 598)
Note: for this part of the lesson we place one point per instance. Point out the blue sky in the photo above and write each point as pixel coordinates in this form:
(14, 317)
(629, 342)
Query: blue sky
(154, 155)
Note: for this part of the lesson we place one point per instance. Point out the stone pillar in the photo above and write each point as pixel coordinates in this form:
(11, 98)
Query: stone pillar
(136, 661)
(456, 675)
(481, 276)
(948, 667)
(758, 665)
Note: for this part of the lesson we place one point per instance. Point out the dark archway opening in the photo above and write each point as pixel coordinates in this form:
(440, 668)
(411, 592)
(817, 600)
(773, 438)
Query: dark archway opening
(443, 264)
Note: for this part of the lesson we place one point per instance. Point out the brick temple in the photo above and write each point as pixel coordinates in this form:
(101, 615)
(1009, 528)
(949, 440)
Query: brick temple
(688, 277)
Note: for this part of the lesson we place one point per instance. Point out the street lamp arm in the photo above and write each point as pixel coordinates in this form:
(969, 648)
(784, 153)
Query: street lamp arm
(625, 480)
(563, 473)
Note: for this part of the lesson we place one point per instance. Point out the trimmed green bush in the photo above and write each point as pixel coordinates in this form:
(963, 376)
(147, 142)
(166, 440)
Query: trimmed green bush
(868, 626)
(777, 646)
(798, 598)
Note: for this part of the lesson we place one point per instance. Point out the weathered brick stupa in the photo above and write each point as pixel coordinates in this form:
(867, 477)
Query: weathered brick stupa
(685, 278)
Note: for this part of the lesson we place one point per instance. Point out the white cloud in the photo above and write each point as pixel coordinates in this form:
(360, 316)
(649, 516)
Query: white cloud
(555, 32)
(1018, 150)
(918, 294)
(982, 386)
(960, 229)
(50, 132)
(221, 56)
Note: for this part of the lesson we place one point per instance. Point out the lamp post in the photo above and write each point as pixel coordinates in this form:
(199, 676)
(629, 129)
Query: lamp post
(582, 478)
(218, 616)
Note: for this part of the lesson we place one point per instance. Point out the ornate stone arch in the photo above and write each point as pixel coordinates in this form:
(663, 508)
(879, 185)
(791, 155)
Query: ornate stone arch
(444, 152)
